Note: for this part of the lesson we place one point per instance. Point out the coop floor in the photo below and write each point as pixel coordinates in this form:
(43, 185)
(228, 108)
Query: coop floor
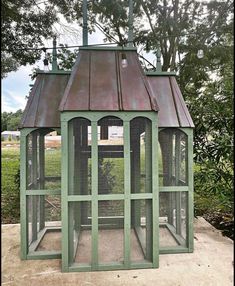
(211, 263)
(111, 243)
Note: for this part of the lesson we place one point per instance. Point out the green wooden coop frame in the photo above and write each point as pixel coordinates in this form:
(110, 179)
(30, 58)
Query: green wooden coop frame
(29, 252)
(34, 191)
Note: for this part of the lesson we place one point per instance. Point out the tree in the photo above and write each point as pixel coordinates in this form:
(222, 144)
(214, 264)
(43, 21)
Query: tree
(10, 121)
(24, 25)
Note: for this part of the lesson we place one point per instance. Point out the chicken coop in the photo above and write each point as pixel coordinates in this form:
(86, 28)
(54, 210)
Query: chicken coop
(117, 190)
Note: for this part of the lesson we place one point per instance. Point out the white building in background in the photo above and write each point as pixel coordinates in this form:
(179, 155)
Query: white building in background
(10, 135)
(115, 132)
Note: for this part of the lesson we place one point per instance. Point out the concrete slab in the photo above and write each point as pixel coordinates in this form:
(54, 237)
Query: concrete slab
(210, 264)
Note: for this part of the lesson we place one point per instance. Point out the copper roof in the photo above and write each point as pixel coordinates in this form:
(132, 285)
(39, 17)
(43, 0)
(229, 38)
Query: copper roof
(44, 99)
(98, 82)
(173, 111)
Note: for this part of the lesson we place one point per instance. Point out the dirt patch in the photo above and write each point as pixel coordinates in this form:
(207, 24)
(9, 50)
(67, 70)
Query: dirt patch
(223, 222)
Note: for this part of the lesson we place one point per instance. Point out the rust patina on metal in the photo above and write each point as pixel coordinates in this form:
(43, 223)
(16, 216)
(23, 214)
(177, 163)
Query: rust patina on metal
(173, 111)
(44, 99)
(99, 82)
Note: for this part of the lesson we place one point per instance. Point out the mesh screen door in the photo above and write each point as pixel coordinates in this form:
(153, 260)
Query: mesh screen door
(110, 194)
(41, 216)
(173, 170)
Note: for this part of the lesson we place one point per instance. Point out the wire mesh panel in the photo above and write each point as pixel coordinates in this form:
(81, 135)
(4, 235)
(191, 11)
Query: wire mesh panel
(42, 176)
(141, 160)
(174, 152)
(79, 157)
(173, 218)
(47, 237)
(173, 204)
(111, 231)
(141, 230)
(52, 159)
(80, 242)
(110, 156)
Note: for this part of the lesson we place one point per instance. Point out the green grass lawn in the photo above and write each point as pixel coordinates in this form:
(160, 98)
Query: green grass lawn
(10, 193)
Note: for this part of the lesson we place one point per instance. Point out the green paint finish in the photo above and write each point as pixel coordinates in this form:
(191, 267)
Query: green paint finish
(155, 192)
(23, 202)
(94, 184)
(42, 192)
(127, 191)
(174, 189)
(44, 255)
(64, 194)
(190, 215)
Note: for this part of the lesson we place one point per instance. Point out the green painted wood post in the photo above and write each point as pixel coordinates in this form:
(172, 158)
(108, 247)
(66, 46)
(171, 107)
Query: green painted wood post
(94, 184)
(35, 186)
(148, 188)
(23, 200)
(155, 191)
(71, 206)
(190, 192)
(64, 193)
(127, 190)
(177, 178)
(42, 180)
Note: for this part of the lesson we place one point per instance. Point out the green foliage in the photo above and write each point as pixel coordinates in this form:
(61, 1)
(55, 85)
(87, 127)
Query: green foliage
(107, 179)
(10, 121)
(10, 192)
(24, 25)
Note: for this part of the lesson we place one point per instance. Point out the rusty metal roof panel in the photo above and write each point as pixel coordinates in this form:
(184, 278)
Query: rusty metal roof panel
(173, 111)
(42, 106)
(107, 86)
(185, 119)
(103, 81)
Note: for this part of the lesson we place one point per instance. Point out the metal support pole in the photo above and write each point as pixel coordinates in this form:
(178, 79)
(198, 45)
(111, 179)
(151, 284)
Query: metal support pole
(54, 56)
(84, 30)
(130, 32)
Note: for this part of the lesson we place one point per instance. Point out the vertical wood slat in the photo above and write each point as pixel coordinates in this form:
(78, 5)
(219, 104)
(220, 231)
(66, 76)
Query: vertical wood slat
(23, 200)
(155, 191)
(127, 190)
(71, 206)
(148, 188)
(190, 192)
(64, 195)
(94, 183)
(34, 198)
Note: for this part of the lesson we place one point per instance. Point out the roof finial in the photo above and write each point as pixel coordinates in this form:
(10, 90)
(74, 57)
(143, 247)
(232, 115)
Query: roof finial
(54, 56)
(159, 66)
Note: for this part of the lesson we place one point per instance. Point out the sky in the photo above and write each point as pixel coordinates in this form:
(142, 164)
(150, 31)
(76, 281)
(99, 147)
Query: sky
(16, 86)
